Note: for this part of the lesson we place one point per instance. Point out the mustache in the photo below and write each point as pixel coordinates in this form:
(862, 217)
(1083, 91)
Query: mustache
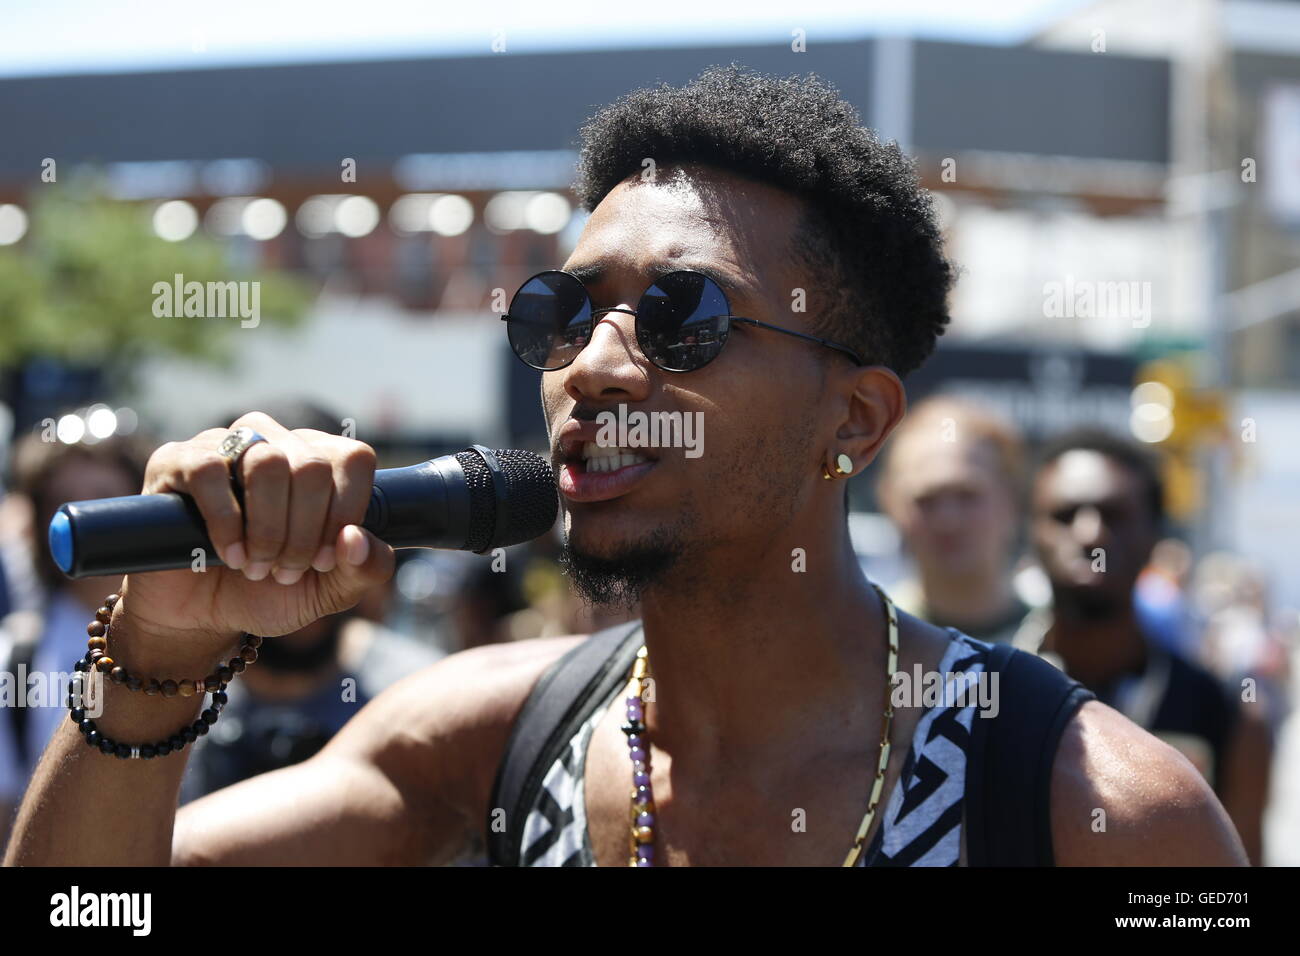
(585, 413)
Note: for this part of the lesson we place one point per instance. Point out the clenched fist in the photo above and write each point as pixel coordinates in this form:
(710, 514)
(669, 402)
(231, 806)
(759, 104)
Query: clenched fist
(294, 552)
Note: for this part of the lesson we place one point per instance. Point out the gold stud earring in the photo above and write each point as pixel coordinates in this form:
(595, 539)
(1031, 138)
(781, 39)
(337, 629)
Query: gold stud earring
(843, 465)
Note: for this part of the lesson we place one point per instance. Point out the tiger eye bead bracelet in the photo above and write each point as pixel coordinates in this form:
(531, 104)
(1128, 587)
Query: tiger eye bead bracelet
(97, 657)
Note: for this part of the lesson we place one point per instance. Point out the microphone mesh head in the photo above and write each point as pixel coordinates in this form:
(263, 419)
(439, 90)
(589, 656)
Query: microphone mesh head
(482, 501)
(531, 501)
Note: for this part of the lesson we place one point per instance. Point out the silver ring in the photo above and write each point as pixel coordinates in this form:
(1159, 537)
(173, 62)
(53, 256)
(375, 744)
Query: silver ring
(235, 444)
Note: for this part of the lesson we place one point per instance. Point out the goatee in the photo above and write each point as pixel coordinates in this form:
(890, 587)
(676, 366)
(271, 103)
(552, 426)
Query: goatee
(621, 578)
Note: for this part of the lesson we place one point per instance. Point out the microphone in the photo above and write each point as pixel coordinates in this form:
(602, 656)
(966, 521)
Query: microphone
(476, 500)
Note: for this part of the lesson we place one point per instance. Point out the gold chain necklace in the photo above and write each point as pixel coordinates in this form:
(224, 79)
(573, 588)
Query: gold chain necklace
(641, 839)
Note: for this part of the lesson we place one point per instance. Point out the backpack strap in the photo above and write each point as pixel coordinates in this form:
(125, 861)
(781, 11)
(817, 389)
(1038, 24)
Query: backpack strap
(1009, 772)
(558, 704)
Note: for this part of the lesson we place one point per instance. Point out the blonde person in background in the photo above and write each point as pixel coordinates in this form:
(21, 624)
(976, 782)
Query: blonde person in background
(952, 485)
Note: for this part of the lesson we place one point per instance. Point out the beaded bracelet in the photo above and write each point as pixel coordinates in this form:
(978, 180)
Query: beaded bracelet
(97, 657)
(173, 744)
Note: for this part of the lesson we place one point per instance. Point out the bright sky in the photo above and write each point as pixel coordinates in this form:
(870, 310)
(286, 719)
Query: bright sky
(72, 36)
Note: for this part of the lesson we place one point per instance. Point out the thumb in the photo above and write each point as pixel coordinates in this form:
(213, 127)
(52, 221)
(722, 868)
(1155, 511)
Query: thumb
(363, 560)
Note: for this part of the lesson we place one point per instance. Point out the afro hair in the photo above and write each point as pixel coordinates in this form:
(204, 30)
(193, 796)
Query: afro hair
(869, 235)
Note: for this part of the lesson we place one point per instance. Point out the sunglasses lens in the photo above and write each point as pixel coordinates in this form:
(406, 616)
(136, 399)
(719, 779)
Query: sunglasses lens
(682, 321)
(549, 320)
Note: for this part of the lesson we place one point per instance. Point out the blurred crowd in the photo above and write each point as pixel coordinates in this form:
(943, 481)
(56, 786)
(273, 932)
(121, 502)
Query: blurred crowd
(305, 685)
(1068, 556)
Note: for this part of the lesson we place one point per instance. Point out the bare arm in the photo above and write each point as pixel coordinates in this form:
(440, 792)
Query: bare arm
(402, 783)
(1120, 797)
(405, 782)
(84, 808)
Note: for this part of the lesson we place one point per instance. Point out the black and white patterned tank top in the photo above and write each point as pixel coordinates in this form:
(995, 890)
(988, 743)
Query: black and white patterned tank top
(922, 824)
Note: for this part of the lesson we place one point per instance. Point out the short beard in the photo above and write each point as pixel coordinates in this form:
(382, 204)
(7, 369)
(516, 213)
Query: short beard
(622, 579)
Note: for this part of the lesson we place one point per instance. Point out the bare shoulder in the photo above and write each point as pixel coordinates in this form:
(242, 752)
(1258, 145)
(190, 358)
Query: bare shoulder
(443, 729)
(1122, 797)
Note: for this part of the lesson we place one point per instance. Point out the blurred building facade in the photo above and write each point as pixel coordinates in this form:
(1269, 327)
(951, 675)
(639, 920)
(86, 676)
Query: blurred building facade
(421, 188)
(1104, 156)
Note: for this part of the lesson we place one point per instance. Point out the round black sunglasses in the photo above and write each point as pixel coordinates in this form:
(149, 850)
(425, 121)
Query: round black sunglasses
(682, 321)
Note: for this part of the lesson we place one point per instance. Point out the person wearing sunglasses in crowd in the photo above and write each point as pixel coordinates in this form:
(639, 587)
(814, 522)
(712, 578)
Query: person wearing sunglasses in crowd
(777, 269)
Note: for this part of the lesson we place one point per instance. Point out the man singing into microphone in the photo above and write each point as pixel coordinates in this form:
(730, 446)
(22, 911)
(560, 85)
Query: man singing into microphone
(754, 255)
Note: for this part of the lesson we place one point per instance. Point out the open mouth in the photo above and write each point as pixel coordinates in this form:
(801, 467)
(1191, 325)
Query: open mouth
(596, 459)
(592, 472)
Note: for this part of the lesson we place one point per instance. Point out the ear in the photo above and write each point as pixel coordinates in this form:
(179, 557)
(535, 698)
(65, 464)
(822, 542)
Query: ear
(873, 402)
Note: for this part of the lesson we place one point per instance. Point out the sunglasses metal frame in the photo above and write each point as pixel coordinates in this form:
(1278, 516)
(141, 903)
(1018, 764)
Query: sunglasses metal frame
(506, 317)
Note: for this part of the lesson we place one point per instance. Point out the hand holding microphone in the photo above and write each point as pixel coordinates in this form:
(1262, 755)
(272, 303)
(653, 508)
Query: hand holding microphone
(308, 527)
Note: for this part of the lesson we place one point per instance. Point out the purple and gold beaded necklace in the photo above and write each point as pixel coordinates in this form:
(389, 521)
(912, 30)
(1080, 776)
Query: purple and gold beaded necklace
(641, 850)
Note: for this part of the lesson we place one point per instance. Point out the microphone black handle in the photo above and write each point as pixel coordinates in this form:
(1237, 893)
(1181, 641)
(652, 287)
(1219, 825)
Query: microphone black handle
(420, 506)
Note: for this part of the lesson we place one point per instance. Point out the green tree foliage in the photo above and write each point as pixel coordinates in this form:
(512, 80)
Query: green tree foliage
(79, 288)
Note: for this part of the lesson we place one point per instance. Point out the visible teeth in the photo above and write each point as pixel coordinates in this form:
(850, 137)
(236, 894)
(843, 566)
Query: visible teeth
(600, 458)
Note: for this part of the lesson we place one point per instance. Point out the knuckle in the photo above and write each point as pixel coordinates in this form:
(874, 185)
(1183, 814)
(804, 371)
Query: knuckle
(253, 420)
(222, 520)
(209, 468)
(357, 454)
(314, 471)
(224, 509)
(266, 461)
(163, 454)
(264, 534)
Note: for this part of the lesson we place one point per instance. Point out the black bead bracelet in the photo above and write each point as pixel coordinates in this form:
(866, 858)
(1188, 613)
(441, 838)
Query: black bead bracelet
(176, 742)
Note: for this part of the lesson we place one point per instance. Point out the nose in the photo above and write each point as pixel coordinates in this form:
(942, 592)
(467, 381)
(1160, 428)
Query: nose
(611, 365)
(1088, 528)
(950, 513)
